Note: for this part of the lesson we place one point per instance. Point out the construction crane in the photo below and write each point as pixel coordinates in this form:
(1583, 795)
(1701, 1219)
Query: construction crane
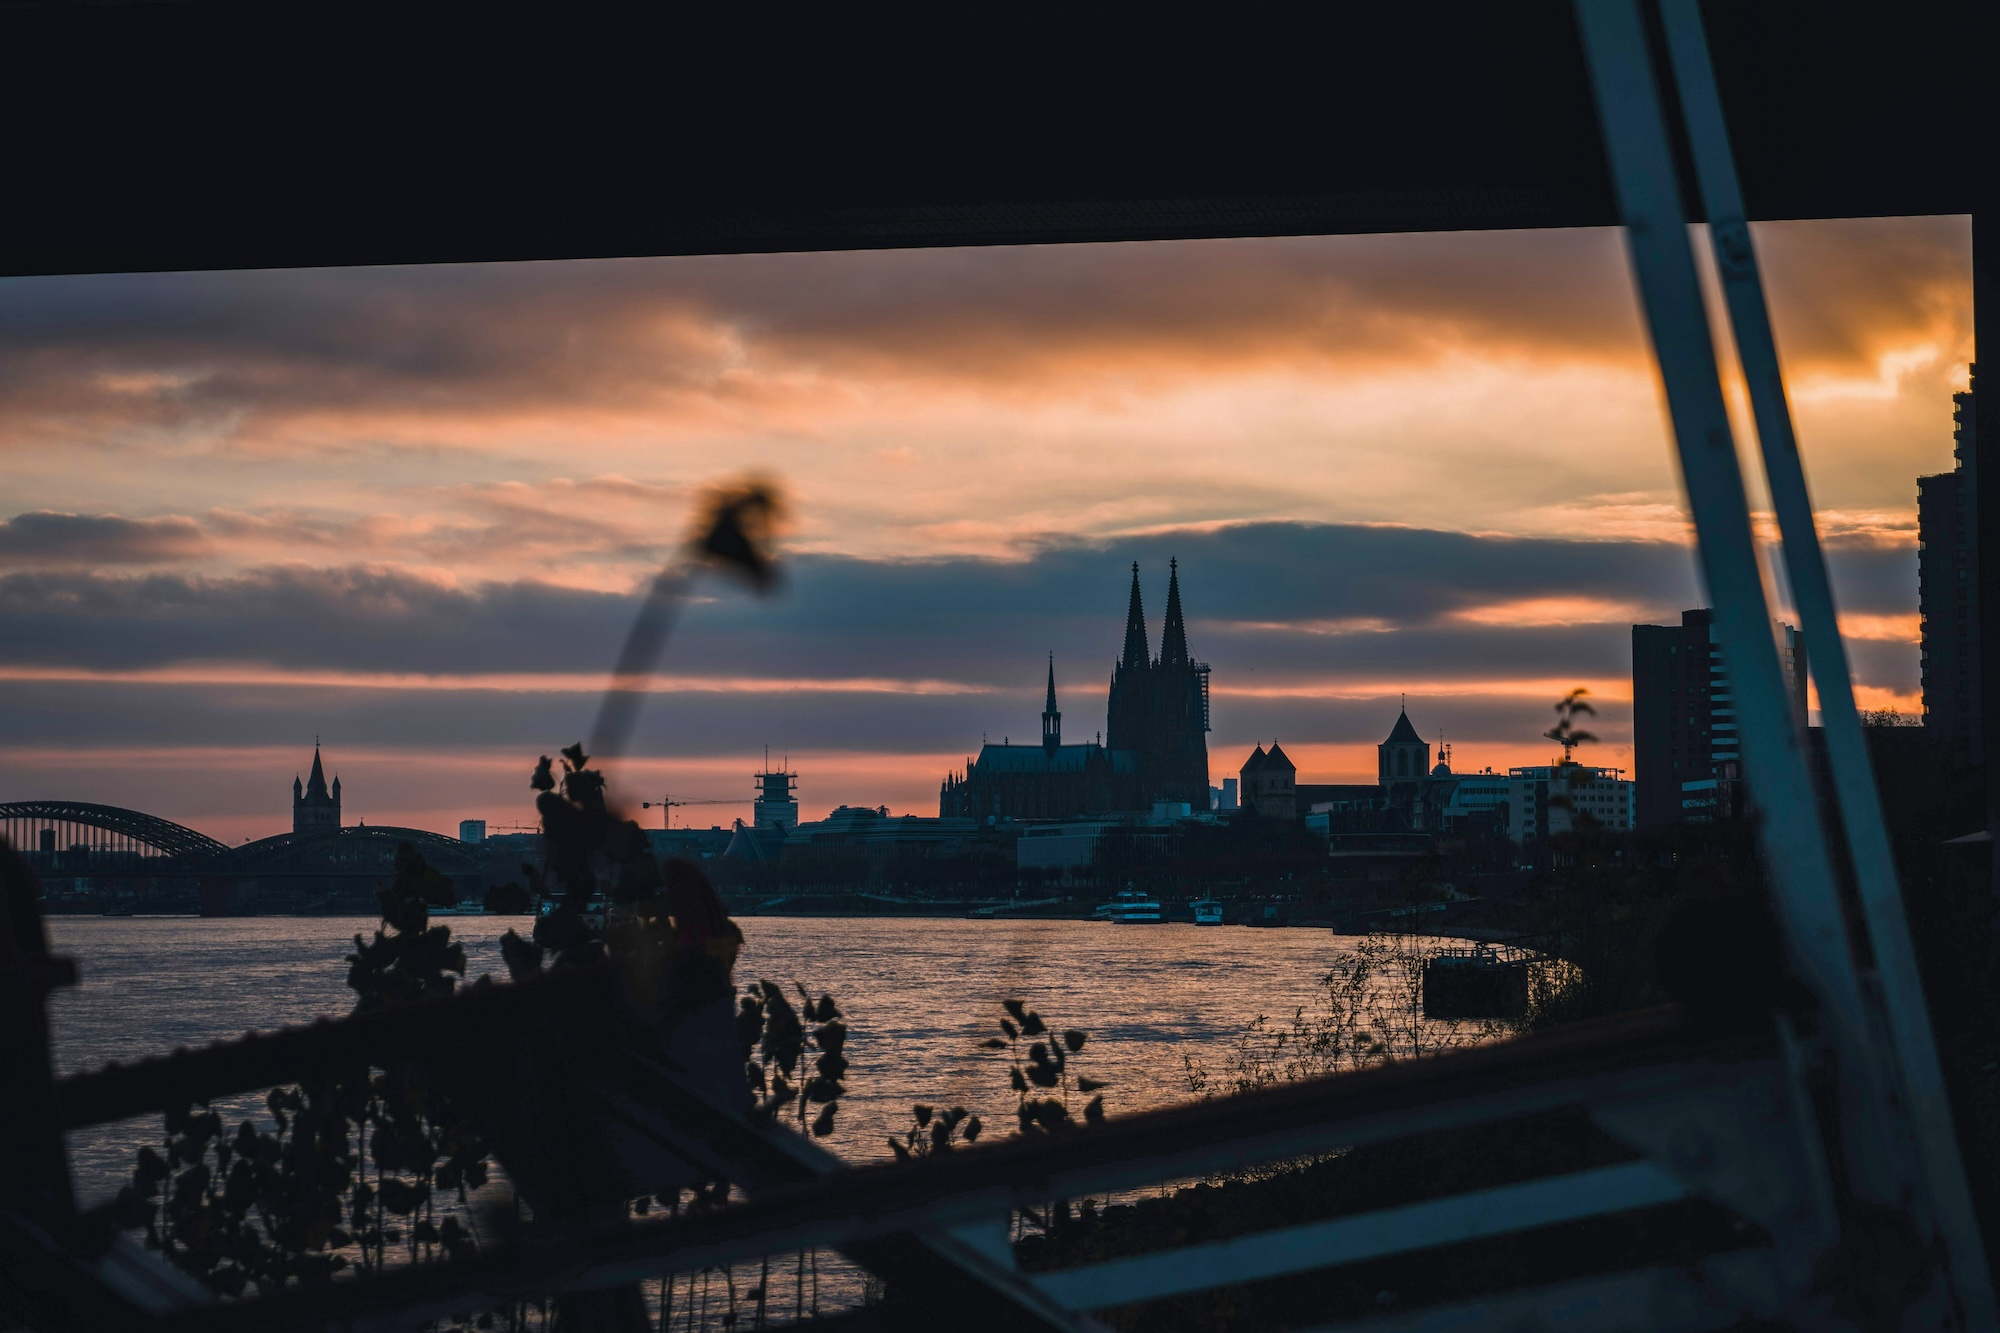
(666, 807)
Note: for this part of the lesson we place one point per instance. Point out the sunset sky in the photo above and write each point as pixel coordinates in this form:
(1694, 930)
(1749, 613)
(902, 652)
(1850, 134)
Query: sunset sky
(408, 509)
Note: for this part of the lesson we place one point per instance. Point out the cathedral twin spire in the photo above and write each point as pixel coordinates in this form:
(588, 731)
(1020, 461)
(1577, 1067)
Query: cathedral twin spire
(1153, 748)
(1173, 634)
(1137, 654)
(1051, 715)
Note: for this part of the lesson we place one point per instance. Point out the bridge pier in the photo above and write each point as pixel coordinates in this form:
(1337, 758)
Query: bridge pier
(228, 897)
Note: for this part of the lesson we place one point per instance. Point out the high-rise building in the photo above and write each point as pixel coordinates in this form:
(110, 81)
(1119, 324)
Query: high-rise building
(1685, 755)
(1948, 584)
(315, 806)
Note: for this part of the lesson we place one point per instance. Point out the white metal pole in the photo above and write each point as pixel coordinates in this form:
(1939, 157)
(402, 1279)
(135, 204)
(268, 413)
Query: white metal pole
(1914, 1049)
(1670, 292)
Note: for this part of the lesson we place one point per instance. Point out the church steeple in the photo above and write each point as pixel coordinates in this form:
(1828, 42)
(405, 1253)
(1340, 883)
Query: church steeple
(1051, 715)
(1173, 635)
(1137, 655)
(1404, 755)
(314, 808)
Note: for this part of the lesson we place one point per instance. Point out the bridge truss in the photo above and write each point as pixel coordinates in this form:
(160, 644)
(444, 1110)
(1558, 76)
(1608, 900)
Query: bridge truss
(104, 834)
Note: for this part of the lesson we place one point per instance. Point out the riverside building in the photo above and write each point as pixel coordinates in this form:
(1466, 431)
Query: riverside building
(1546, 799)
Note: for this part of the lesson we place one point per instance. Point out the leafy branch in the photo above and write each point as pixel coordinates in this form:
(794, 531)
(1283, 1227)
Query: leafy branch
(1565, 732)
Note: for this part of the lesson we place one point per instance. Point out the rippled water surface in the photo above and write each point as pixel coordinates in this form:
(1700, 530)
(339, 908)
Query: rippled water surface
(919, 995)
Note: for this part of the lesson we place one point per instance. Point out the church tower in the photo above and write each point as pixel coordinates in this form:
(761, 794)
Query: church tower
(1159, 706)
(315, 807)
(1051, 715)
(1404, 756)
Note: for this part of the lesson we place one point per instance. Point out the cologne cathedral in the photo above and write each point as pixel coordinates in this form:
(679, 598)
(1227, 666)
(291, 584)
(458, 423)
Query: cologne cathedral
(1154, 748)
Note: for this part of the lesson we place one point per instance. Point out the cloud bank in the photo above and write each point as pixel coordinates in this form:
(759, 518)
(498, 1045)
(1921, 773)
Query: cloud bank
(410, 507)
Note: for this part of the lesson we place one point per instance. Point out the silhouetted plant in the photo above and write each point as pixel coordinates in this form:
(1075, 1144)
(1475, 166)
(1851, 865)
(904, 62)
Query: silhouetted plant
(1038, 1070)
(778, 1041)
(787, 1081)
(359, 1166)
(1369, 1011)
(1565, 732)
(509, 899)
(1890, 717)
(933, 1133)
(1041, 1076)
(592, 858)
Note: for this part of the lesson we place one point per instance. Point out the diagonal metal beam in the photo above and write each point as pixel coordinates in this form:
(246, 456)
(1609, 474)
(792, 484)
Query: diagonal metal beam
(1912, 1049)
(1794, 845)
(1881, 1166)
(1371, 1235)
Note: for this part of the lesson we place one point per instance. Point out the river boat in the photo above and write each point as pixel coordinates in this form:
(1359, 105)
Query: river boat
(596, 911)
(1475, 982)
(1131, 907)
(1207, 912)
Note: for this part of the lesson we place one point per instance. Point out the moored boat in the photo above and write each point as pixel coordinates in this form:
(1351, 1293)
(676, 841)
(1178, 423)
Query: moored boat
(1130, 907)
(1207, 912)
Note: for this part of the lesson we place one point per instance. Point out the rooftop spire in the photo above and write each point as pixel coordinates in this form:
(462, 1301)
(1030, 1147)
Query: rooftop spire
(316, 782)
(1173, 635)
(1137, 655)
(1051, 716)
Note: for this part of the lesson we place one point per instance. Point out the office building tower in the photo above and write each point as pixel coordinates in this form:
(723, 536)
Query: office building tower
(1685, 755)
(1948, 586)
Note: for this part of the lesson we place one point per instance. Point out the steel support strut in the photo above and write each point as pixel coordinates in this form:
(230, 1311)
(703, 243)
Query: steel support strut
(1887, 1162)
(1912, 1050)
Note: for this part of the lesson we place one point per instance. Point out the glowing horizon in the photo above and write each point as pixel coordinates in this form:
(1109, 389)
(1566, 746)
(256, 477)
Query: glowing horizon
(409, 508)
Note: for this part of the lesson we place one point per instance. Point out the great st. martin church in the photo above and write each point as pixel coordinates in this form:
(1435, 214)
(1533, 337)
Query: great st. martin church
(1155, 746)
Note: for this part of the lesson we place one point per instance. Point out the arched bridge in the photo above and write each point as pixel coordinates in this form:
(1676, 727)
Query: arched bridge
(104, 833)
(355, 850)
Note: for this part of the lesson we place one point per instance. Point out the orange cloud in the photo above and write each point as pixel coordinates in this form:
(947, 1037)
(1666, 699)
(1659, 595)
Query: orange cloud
(1902, 628)
(1548, 687)
(1494, 382)
(1553, 611)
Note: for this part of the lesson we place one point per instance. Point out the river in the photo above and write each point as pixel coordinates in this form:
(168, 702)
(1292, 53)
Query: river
(919, 996)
